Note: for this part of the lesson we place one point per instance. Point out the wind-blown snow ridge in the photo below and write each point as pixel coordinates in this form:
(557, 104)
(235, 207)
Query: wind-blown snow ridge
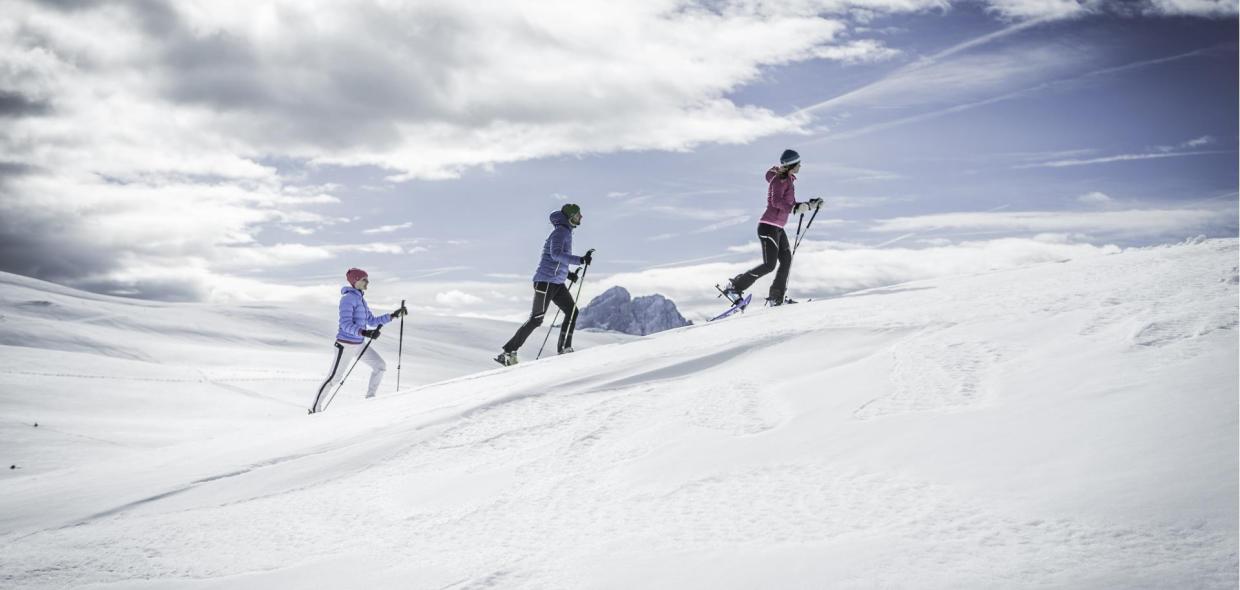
(1066, 425)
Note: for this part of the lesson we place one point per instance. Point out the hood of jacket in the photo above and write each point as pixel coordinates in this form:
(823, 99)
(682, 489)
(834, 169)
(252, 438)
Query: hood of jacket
(559, 219)
(773, 172)
(347, 290)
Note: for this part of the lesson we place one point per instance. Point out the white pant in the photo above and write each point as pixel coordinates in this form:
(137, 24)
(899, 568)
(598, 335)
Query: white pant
(342, 361)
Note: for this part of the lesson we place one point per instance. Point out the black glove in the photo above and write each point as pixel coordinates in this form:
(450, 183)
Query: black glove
(816, 203)
(372, 334)
(572, 276)
(400, 312)
(588, 258)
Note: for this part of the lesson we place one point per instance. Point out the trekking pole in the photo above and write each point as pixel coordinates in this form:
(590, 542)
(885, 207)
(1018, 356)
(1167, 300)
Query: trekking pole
(346, 375)
(800, 235)
(400, 350)
(548, 336)
(577, 300)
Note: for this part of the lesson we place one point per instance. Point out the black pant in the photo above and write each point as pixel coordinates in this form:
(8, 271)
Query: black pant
(775, 248)
(544, 295)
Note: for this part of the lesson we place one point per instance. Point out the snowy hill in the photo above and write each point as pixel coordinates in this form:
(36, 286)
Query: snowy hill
(1061, 425)
(106, 375)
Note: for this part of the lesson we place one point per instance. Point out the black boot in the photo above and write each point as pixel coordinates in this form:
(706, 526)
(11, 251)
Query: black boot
(732, 293)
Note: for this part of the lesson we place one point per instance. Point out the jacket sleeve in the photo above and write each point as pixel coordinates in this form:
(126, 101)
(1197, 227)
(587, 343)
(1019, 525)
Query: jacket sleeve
(371, 318)
(375, 320)
(347, 326)
(559, 247)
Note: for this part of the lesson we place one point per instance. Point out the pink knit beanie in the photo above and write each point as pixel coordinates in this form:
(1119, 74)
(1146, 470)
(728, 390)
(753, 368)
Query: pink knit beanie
(354, 275)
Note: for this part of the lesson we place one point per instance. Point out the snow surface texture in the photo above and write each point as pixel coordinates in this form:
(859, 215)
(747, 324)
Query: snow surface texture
(1069, 425)
(617, 311)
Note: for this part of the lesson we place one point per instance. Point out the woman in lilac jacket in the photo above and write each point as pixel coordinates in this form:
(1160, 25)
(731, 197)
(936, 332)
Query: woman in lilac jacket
(355, 322)
(549, 287)
(780, 203)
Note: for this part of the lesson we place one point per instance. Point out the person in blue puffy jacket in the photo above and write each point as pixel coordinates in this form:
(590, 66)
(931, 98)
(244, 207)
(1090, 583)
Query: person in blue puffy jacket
(549, 287)
(355, 325)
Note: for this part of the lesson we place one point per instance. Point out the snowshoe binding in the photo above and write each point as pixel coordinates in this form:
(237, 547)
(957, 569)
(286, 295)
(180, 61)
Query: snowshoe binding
(731, 293)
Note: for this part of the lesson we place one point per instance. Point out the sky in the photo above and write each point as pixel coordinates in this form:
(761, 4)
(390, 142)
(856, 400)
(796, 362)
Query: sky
(253, 151)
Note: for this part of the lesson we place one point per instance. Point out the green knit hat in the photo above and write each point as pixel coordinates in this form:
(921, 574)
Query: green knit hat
(573, 213)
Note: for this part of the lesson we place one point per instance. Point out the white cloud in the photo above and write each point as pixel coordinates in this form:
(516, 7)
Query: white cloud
(145, 133)
(938, 86)
(1031, 9)
(423, 89)
(867, 50)
(388, 228)
(1198, 142)
(1126, 223)
(1205, 8)
(455, 298)
(1058, 9)
(1120, 158)
(1095, 198)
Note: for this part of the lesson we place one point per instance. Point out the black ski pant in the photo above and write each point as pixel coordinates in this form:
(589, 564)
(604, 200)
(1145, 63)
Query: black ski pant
(775, 250)
(544, 295)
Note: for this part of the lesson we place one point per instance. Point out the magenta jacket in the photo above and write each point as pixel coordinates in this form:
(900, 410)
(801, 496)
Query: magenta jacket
(781, 198)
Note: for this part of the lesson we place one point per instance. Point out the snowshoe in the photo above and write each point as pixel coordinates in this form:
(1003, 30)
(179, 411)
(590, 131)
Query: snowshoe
(507, 359)
(738, 306)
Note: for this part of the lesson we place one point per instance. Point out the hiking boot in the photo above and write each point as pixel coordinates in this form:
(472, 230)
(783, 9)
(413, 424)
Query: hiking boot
(732, 293)
(566, 350)
(778, 301)
(506, 358)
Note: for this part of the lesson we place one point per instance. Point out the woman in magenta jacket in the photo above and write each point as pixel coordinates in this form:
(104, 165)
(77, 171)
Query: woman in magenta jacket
(780, 203)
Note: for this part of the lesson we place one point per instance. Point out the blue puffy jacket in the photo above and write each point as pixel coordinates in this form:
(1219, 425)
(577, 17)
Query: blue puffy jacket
(557, 252)
(355, 316)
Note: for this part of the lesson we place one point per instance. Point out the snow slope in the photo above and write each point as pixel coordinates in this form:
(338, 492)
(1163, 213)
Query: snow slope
(106, 375)
(1060, 425)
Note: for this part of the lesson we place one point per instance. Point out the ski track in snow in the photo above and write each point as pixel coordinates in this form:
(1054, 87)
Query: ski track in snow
(539, 475)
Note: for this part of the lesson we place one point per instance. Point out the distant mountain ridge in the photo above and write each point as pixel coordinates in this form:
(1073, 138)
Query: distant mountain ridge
(618, 311)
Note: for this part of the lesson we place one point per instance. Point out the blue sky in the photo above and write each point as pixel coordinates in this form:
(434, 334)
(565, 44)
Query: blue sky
(254, 151)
